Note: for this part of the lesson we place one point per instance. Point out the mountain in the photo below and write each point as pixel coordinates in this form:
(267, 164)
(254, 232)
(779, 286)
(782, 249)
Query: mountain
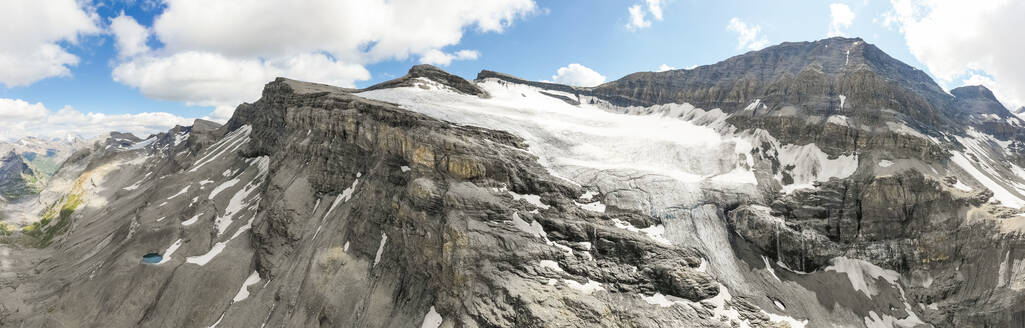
(44, 156)
(17, 179)
(808, 184)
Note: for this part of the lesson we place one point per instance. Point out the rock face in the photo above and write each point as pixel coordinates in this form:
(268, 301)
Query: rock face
(17, 179)
(812, 184)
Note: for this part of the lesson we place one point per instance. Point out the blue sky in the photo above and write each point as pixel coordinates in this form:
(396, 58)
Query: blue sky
(530, 39)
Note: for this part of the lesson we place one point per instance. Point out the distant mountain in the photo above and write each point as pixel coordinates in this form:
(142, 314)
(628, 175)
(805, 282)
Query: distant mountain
(17, 179)
(808, 184)
(44, 155)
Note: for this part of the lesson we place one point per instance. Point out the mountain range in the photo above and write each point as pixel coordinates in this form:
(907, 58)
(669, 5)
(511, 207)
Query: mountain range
(807, 184)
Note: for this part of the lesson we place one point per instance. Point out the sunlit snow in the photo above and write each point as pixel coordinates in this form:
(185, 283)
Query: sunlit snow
(243, 293)
(170, 251)
(380, 249)
(432, 319)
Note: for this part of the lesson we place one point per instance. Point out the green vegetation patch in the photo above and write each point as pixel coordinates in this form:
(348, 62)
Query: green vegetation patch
(55, 221)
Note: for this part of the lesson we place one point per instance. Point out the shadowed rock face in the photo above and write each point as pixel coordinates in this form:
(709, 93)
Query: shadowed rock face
(16, 178)
(321, 206)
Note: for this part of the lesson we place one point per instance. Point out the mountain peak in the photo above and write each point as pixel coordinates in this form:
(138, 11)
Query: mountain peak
(811, 77)
(977, 99)
(973, 92)
(432, 73)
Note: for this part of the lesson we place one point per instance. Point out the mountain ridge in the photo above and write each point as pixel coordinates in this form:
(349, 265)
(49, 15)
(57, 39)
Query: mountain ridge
(510, 203)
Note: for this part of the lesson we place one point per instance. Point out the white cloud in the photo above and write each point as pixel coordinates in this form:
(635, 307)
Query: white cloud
(20, 118)
(220, 53)
(638, 15)
(664, 67)
(438, 57)
(13, 109)
(957, 39)
(840, 17)
(30, 46)
(637, 19)
(655, 8)
(578, 75)
(749, 37)
(211, 79)
(129, 36)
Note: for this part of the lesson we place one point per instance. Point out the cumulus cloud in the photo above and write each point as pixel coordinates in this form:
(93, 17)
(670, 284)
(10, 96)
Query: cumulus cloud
(129, 35)
(21, 118)
(578, 75)
(438, 57)
(655, 8)
(31, 44)
(639, 15)
(637, 19)
(840, 17)
(220, 53)
(664, 67)
(958, 40)
(749, 37)
(210, 79)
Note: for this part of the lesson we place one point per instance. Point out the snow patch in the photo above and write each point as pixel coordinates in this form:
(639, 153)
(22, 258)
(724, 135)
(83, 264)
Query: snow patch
(1006, 197)
(768, 267)
(551, 265)
(380, 249)
(532, 199)
(181, 137)
(170, 251)
(658, 299)
(811, 164)
(143, 144)
(586, 288)
(241, 200)
(432, 319)
(205, 258)
(219, 247)
(655, 231)
(859, 272)
(192, 220)
(231, 142)
(838, 120)
(885, 163)
(183, 191)
(754, 105)
(243, 293)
